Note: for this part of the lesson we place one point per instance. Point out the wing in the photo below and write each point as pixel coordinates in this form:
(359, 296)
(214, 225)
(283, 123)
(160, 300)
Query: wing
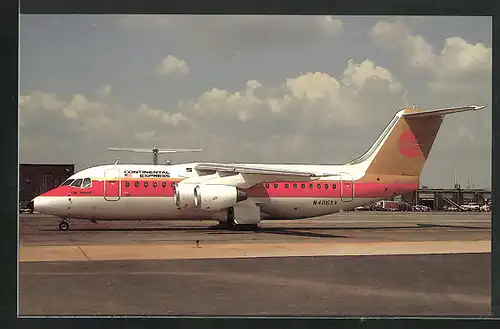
(258, 170)
(246, 176)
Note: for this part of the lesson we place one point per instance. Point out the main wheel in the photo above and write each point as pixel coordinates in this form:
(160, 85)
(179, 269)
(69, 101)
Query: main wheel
(229, 224)
(63, 226)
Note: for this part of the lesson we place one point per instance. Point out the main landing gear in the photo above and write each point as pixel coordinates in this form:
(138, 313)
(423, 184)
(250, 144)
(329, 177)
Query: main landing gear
(230, 224)
(64, 225)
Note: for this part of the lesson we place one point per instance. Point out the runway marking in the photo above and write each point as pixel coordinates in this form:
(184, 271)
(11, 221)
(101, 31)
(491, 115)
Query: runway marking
(209, 250)
(310, 285)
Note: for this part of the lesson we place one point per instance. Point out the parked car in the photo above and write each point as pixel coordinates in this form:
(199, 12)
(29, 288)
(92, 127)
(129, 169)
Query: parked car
(419, 207)
(471, 206)
(485, 208)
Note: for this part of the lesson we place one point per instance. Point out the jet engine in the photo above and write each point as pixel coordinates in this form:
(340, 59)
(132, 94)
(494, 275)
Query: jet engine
(184, 195)
(217, 197)
(208, 197)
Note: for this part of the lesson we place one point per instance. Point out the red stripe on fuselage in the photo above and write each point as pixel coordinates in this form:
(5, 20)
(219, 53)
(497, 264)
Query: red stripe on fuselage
(164, 188)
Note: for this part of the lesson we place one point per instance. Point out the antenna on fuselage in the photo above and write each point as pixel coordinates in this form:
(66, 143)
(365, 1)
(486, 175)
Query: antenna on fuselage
(116, 161)
(154, 150)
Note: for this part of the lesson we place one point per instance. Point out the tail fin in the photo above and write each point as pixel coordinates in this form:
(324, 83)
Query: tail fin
(405, 144)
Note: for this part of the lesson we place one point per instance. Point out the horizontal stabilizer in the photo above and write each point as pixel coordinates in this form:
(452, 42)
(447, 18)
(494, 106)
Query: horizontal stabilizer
(445, 111)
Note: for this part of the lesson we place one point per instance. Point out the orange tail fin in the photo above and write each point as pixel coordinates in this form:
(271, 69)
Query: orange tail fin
(404, 146)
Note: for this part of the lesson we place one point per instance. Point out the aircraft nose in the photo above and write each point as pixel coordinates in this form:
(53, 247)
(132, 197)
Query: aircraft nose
(40, 204)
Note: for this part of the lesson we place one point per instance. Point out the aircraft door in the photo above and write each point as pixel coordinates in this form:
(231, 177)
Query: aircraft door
(112, 185)
(346, 188)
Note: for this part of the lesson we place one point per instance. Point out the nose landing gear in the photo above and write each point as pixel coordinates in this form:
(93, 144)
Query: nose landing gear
(64, 225)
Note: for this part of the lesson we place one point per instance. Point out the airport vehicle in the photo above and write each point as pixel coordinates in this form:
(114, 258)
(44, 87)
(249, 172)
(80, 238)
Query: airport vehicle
(386, 205)
(485, 208)
(471, 206)
(237, 195)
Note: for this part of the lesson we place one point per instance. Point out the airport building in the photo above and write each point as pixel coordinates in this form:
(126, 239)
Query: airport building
(35, 179)
(437, 199)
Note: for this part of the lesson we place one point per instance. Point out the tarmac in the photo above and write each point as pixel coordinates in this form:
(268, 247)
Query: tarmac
(347, 264)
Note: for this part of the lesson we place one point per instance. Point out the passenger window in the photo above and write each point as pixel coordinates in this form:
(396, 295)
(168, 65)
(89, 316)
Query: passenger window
(87, 182)
(127, 184)
(77, 183)
(286, 185)
(334, 186)
(164, 184)
(145, 184)
(136, 184)
(311, 185)
(326, 186)
(267, 185)
(303, 185)
(275, 185)
(319, 186)
(294, 185)
(155, 184)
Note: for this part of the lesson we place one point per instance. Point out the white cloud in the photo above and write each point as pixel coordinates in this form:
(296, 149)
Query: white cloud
(459, 65)
(459, 57)
(282, 119)
(331, 25)
(395, 35)
(311, 101)
(173, 65)
(163, 116)
(367, 71)
(104, 91)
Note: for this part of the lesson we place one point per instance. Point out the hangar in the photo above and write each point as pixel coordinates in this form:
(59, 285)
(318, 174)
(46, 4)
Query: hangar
(35, 179)
(437, 199)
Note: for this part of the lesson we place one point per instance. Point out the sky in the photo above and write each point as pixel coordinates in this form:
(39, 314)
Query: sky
(261, 89)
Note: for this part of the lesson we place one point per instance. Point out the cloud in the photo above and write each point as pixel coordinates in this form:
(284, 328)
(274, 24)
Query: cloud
(104, 91)
(237, 33)
(458, 66)
(313, 96)
(331, 25)
(163, 116)
(173, 65)
(78, 126)
(283, 119)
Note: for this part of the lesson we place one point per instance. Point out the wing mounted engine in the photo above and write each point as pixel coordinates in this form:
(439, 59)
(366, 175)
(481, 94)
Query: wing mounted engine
(208, 197)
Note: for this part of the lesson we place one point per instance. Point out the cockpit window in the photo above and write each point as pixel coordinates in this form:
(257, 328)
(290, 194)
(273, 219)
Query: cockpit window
(67, 182)
(87, 182)
(77, 183)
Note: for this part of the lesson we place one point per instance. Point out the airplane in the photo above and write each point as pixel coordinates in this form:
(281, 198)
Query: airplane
(242, 195)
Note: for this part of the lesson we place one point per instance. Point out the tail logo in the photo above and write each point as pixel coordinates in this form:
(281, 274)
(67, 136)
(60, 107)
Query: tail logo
(408, 145)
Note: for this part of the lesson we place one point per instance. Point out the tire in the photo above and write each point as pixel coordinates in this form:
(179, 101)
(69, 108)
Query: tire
(63, 226)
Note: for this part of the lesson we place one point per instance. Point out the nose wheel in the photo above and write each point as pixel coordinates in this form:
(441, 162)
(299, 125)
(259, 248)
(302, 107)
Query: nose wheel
(63, 226)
